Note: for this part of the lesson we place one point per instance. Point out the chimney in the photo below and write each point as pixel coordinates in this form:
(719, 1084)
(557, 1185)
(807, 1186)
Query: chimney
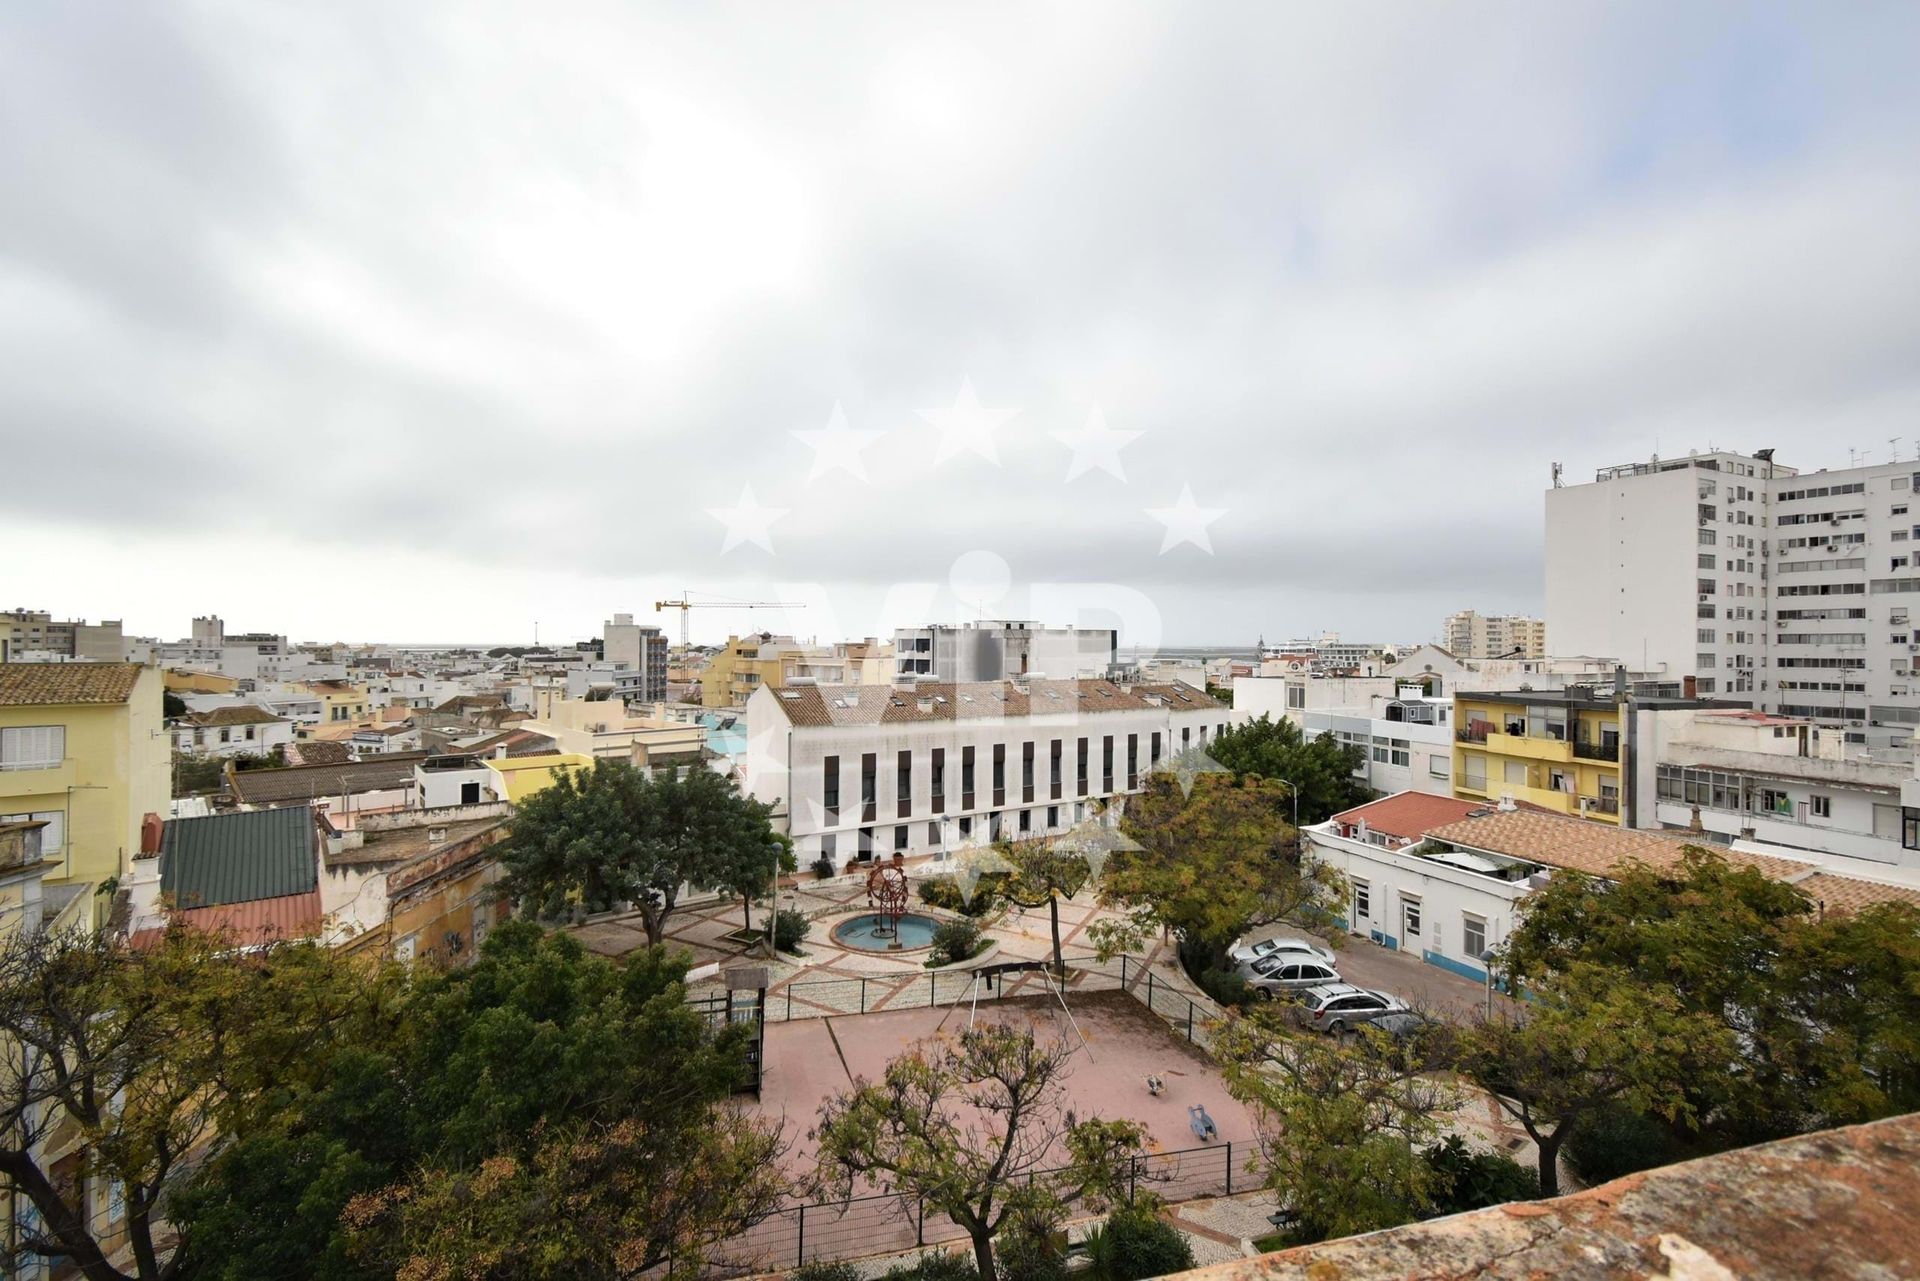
(1506, 804)
(151, 831)
(1620, 678)
(926, 702)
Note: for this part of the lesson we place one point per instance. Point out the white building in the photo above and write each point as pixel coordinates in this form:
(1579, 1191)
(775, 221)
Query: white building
(1002, 650)
(1779, 780)
(1749, 578)
(1444, 879)
(1469, 634)
(639, 649)
(860, 771)
(238, 730)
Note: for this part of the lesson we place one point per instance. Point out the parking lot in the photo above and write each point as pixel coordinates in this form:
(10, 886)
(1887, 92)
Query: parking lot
(1367, 964)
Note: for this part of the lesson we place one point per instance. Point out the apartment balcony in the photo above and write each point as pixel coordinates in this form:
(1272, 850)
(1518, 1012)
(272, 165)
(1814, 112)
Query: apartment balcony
(1597, 752)
(1555, 750)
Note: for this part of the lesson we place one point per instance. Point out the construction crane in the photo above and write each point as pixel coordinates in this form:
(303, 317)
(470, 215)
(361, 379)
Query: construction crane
(684, 604)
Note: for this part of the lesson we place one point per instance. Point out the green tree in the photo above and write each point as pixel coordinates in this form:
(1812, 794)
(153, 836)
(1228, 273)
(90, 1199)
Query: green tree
(1823, 1007)
(1341, 1124)
(497, 1087)
(145, 1056)
(614, 834)
(1042, 872)
(975, 1129)
(1208, 866)
(751, 873)
(1592, 1037)
(1322, 769)
(172, 705)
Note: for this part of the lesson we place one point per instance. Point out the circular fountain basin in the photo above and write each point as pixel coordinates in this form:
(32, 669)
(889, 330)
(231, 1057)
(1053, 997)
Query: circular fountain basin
(862, 933)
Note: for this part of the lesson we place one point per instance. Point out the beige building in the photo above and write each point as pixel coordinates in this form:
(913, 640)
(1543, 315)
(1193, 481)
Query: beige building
(32, 632)
(763, 660)
(1468, 634)
(604, 728)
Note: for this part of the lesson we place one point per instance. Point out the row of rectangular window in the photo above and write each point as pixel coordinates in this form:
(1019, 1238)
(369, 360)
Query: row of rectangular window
(903, 774)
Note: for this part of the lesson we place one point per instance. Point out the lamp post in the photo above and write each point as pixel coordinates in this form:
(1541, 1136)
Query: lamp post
(1486, 960)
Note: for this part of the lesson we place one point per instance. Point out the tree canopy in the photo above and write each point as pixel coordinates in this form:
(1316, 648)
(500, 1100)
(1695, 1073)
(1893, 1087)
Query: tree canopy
(1822, 1008)
(540, 1075)
(1208, 864)
(613, 834)
(977, 1129)
(1320, 768)
(1341, 1125)
(148, 1055)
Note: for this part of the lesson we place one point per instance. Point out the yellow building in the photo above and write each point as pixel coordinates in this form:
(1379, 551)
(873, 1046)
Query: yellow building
(83, 747)
(746, 663)
(1558, 749)
(341, 702)
(187, 681)
(522, 776)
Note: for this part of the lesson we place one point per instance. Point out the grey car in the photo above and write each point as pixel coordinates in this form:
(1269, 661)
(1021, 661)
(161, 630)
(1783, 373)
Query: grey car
(1287, 975)
(1340, 1007)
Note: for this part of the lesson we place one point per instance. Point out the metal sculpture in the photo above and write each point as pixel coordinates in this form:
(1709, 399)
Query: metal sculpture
(887, 896)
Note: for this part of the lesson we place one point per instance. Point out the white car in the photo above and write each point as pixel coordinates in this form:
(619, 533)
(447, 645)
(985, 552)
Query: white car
(1300, 949)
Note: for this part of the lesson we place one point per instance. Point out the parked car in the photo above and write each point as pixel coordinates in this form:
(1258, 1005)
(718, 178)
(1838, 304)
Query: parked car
(1339, 1007)
(1297, 948)
(1285, 976)
(1404, 1025)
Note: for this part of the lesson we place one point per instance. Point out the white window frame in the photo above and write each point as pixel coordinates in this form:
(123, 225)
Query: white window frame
(32, 746)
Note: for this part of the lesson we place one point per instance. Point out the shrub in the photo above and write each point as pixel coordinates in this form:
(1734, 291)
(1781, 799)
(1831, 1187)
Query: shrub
(935, 1265)
(823, 867)
(821, 1271)
(954, 941)
(1134, 1244)
(1225, 987)
(1469, 1180)
(943, 892)
(789, 929)
(1614, 1141)
(1031, 1248)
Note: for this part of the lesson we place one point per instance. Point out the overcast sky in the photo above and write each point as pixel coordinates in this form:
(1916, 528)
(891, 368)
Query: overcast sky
(423, 322)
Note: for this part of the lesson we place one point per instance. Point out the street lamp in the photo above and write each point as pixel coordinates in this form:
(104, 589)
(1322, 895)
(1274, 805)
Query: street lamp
(1486, 960)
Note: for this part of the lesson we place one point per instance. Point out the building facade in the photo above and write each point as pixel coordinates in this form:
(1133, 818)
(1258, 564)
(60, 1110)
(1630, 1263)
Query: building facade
(1469, 634)
(1003, 650)
(640, 649)
(84, 749)
(36, 633)
(1747, 577)
(859, 772)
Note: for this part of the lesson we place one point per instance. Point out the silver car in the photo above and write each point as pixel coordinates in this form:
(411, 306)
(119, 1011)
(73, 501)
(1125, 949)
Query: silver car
(1282, 975)
(1292, 948)
(1339, 1007)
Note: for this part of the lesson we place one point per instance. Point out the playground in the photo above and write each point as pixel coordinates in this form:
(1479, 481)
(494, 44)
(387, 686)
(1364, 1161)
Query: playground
(810, 1060)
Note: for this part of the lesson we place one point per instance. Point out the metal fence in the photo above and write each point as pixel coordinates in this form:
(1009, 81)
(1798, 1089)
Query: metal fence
(829, 998)
(891, 1222)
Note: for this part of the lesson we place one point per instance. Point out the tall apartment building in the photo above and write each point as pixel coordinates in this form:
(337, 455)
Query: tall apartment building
(863, 771)
(33, 633)
(1001, 649)
(1469, 634)
(1743, 576)
(638, 648)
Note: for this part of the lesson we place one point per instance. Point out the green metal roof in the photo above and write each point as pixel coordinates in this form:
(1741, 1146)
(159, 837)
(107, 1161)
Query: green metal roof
(239, 857)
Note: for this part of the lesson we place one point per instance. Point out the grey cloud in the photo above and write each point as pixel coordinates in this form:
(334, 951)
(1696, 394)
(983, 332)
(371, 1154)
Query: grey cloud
(463, 285)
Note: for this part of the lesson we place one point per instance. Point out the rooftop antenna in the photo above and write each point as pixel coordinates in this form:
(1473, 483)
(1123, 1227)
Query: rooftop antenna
(1853, 458)
(1893, 449)
(1556, 475)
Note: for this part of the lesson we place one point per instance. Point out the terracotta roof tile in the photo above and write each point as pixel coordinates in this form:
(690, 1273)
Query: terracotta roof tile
(1597, 849)
(816, 706)
(60, 684)
(262, 920)
(1409, 814)
(245, 714)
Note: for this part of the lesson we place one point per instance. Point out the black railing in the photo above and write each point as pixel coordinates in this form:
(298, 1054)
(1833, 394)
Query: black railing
(1596, 751)
(885, 1222)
